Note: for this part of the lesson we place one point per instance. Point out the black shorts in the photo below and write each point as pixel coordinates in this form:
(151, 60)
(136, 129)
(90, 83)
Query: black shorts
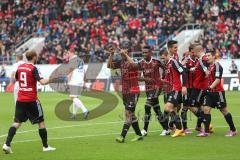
(215, 100)
(174, 97)
(196, 98)
(153, 94)
(29, 110)
(187, 97)
(130, 101)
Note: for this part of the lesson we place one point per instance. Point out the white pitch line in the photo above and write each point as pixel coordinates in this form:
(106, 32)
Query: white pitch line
(93, 135)
(90, 124)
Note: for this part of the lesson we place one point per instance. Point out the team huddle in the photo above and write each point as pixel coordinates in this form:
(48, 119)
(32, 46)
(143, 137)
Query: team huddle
(194, 82)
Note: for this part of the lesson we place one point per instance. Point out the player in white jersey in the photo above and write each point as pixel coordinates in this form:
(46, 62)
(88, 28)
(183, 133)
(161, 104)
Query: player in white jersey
(19, 60)
(76, 82)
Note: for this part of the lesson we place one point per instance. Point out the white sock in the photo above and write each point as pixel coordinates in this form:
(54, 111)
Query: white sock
(75, 108)
(79, 104)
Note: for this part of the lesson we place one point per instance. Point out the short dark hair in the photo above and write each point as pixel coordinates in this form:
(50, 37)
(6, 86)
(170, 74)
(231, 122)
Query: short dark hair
(163, 52)
(212, 51)
(171, 43)
(30, 55)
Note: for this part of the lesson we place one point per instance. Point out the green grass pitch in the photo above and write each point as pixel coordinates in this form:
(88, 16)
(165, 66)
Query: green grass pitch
(95, 139)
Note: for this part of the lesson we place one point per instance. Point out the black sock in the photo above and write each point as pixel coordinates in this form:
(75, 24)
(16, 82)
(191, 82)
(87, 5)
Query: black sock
(125, 129)
(176, 119)
(135, 126)
(43, 134)
(229, 120)
(200, 116)
(184, 117)
(11, 133)
(147, 117)
(159, 115)
(164, 120)
(207, 121)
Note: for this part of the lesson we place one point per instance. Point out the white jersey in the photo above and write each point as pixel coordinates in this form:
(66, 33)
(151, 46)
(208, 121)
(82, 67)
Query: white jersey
(15, 65)
(77, 78)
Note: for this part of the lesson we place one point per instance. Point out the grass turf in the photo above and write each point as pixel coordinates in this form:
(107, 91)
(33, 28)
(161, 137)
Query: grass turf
(95, 139)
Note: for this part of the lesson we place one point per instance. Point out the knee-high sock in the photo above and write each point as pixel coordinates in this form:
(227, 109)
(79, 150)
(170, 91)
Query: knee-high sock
(125, 129)
(200, 115)
(165, 120)
(43, 134)
(75, 109)
(176, 119)
(228, 118)
(79, 104)
(147, 116)
(159, 114)
(184, 117)
(135, 126)
(207, 121)
(11, 133)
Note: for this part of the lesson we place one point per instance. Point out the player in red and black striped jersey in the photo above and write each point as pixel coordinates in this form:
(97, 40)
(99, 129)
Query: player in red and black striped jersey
(200, 84)
(28, 106)
(130, 91)
(216, 96)
(172, 48)
(173, 98)
(150, 69)
(188, 62)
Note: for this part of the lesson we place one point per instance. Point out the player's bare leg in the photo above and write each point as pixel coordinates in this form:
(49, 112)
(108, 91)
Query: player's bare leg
(43, 134)
(11, 133)
(228, 117)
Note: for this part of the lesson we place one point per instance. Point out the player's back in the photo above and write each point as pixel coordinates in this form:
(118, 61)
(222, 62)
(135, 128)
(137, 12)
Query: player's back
(26, 76)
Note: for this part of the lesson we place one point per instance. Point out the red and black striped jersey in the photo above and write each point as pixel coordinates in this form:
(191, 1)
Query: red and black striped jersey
(129, 77)
(172, 75)
(200, 79)
(188, 64)
(151, 70)
(216, 72)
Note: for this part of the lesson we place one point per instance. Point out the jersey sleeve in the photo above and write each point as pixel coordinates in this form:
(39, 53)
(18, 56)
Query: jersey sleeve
(218, 71)
(178, 66)
(36, 74)
(16, 75)
(203, 64)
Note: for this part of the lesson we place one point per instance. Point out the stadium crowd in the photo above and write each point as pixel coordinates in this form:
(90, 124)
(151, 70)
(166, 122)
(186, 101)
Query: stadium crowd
(87, 26)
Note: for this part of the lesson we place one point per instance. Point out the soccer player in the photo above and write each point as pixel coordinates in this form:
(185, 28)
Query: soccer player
(76, 82)
(150, 68)
(200, 84)
(173, 98)
(130, 92)
(28, 106)
(188, 62)
(19, 61)
(216, 97)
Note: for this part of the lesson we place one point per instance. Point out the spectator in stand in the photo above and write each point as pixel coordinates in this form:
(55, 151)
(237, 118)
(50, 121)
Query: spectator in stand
(233, 68)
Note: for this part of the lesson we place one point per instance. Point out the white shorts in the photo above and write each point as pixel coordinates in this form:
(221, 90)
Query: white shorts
(75, 90)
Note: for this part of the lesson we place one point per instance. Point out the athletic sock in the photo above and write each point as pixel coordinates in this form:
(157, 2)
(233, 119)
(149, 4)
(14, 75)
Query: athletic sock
(75, 109)
(147, 117)
(79, 104)
(164, 120)
(184, 117)
(228, 118)
(11, 133)
(176, 119)
(207, 121)
(200, 116)
(159, 114)
(43, 134)
(135, 126)
(125, 130)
